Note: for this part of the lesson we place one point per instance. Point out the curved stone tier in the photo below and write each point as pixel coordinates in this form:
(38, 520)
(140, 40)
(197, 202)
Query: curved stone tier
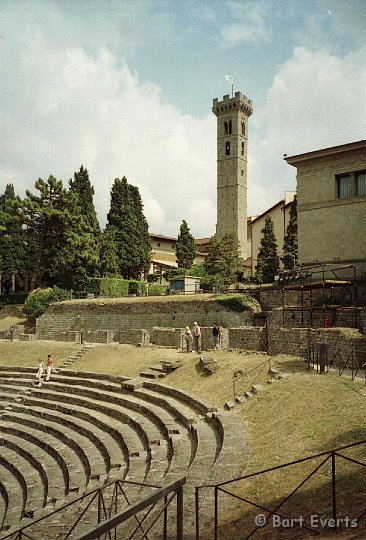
(81, 430)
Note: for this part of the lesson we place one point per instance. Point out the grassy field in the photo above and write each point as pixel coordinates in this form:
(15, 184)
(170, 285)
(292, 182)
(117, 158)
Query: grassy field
(300, 415)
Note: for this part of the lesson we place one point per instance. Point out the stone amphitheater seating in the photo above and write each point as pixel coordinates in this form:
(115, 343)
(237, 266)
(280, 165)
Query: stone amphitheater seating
(81, 430)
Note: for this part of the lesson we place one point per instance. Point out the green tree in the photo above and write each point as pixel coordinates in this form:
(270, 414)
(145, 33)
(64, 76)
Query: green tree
(266, 267)
(130, 229)
(185, 247)
(47, 219)
(142, 234)
(223, 258)
(80, 257)
(12, 247)
(81, 186)
(108, 254)
(290, 242)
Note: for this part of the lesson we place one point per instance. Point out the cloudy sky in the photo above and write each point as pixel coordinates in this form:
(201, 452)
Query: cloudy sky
(125, 87)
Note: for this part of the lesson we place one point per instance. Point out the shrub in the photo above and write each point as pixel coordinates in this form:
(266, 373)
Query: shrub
(107, 286)
(156, 289)
(235, 302)
(39, 300)
(153, 278)
(13, 298)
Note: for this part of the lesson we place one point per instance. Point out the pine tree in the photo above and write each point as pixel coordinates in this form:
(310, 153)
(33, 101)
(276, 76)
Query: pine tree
(214, 262)
(223, 259)
(185, 247)
(230, 252)
(47, 219)
(290, 243)
(130, 229)
(266, 267)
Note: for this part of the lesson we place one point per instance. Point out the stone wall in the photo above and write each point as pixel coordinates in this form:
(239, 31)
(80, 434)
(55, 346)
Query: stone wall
(297, 341)
(253, 338)
(349, 317)
(134, 337)
(121, 315)
(168, 337)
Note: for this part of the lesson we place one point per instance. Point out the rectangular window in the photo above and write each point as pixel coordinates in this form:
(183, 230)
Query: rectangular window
(361, 183)
(344, 186)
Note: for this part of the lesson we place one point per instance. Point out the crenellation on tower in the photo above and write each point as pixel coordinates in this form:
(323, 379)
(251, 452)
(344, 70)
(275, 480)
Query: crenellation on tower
(232, 154)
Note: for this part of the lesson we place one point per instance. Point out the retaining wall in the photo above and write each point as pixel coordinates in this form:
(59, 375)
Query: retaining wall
(253, 338)
(297, 341)
(121, 316)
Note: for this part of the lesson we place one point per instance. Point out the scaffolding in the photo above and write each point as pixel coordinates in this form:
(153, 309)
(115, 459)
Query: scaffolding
(325, 278)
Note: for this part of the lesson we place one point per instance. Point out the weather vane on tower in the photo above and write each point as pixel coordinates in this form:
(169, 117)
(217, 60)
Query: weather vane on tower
(231, 81)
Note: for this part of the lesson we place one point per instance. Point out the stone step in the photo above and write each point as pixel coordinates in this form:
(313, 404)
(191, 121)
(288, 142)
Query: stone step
(89, 421)
(88, 432)
(256, 388)
(230, 405)
(13, 492)
(33, 474)
(65, 455)
(152, 374)
(248, 394)
(57, 484)
(157, 367)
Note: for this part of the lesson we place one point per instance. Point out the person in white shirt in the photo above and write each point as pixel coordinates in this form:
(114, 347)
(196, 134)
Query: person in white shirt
(197, 337)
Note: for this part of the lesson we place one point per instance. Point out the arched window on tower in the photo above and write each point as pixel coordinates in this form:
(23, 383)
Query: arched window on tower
(242, 149)
(243, 128)
(227, 149)
(230, 126)
(226, 128)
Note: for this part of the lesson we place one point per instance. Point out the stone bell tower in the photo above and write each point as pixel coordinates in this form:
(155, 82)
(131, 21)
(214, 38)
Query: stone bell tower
(232, 151)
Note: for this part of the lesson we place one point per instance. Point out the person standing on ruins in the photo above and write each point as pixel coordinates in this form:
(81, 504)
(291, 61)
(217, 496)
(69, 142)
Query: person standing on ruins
(216, 336)
(40, 372)
(189, 338)
(197, 337)
(49, 367)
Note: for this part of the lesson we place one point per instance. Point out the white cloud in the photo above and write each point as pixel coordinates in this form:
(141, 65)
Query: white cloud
(86, 109)
(251, 25)
(316, 101)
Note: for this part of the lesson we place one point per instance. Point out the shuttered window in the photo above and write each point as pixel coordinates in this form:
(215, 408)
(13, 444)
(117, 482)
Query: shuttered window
(361, 183)
(344, 187)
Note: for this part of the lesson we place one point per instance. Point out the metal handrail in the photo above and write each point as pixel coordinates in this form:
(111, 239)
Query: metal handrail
(331, 454)
(240, 377)
(107, 522)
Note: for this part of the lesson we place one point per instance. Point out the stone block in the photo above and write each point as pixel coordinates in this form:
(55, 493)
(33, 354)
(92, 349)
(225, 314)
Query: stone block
(209, 365)
(27, 337)
(134, 336)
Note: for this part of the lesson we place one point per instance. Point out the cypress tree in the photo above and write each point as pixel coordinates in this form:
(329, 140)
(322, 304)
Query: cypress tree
(266, 267)
(130, 229)
(290, 242)
(185, 248)
(81, 258)
(81, 186)
(108, 254)
(12, 247)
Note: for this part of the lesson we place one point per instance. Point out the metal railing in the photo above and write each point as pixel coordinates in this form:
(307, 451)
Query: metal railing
(241, 377)
(305, 521)
(347, 361)
(109, 508)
